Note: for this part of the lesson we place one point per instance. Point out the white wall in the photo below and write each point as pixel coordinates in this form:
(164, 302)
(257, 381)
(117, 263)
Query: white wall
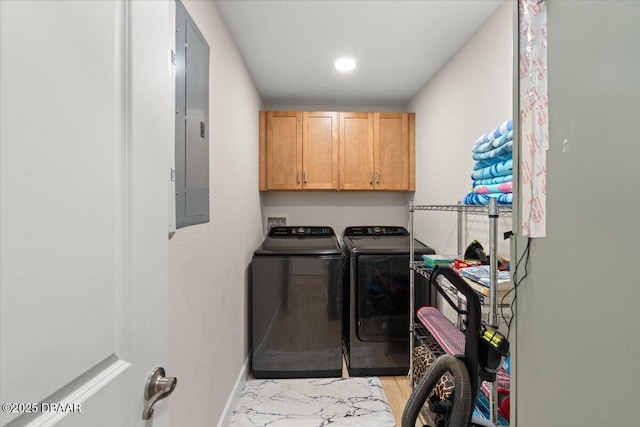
(337, 209)
(470, 95)
(208, 262)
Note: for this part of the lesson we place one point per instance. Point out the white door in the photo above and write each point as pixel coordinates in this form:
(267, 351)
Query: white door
(86, 133)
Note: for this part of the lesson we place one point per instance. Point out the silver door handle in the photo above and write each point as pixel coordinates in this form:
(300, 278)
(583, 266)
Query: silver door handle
(371, 179)
(297, 177)
(378, 180)
(156, 388)
(304, 177)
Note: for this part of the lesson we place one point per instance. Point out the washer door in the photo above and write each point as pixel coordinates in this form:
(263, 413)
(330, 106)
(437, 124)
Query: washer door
(296, 317)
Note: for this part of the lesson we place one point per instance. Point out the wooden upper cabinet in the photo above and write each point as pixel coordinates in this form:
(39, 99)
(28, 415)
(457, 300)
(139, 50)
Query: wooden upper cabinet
(331, 151)
(356, 151)
(391, 148)
(377, 151)
(320, 151)
(298, 150)
(284, 150)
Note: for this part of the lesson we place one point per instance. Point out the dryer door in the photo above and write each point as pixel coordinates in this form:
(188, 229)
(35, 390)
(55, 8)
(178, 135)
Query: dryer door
(383, 298)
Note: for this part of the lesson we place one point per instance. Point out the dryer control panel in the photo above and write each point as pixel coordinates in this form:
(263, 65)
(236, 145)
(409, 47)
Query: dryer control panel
(375, 231)
(298, 232)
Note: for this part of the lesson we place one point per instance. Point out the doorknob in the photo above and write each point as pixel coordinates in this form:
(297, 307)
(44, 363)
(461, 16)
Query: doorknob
(156, 388)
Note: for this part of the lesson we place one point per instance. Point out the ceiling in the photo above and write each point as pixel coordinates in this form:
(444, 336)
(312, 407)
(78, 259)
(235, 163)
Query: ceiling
(290, 46)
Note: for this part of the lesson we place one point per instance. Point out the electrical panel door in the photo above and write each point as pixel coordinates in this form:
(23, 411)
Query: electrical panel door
(192, 122)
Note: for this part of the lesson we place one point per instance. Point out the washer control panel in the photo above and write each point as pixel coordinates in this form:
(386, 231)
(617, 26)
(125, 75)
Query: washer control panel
(375, 231)
(301, 232)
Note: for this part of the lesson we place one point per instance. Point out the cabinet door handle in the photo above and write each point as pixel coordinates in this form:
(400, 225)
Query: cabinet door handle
(371, 179)
(378, 178)
(304, 176)
(297, 177)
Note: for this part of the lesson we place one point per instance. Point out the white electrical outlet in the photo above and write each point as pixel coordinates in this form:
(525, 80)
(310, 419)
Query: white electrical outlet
(276, 221)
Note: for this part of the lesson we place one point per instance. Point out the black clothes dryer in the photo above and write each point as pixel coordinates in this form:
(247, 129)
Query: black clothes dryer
(376, 299)
(296, 304)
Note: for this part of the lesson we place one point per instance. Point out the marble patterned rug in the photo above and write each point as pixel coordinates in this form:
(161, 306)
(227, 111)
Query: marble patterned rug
(334, 402)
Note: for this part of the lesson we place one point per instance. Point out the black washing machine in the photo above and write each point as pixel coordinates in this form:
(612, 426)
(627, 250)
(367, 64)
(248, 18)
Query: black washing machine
(296, 304)
(376, 299)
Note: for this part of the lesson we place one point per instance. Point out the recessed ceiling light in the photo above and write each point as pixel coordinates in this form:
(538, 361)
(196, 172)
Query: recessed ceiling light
(345, 64)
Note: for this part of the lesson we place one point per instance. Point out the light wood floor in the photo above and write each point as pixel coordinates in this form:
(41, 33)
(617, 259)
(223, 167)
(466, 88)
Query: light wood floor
(397, 389)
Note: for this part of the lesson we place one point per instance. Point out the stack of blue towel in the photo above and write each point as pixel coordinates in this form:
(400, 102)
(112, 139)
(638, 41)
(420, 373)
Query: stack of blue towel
(493, 171)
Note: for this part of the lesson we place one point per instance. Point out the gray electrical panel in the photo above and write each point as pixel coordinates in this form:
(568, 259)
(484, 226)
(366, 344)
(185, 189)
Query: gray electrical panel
(192, 121)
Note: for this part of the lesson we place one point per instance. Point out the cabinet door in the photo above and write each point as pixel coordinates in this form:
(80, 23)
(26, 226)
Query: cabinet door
(391, 151)
(284, 150)
(320, 150)
(356, 151)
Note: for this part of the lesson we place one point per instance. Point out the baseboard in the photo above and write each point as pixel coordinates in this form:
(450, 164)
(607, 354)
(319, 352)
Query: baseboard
(232, 401)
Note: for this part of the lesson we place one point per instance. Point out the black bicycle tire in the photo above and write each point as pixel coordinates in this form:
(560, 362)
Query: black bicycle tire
(462, 405)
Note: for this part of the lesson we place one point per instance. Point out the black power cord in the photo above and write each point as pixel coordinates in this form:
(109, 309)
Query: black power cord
(516, 283)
